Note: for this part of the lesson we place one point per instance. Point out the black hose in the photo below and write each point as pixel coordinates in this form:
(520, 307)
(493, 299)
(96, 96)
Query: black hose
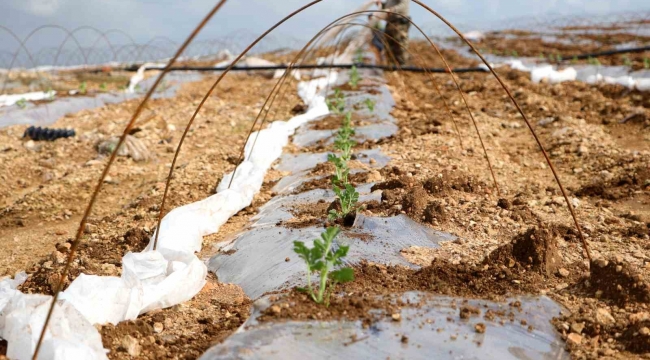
(324, 66)
(39, 133)
(607, 53)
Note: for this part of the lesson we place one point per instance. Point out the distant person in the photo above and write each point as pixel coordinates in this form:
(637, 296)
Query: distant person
(397, 28)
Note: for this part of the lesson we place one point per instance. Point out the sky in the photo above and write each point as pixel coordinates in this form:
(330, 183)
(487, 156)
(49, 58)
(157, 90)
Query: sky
(175, 19)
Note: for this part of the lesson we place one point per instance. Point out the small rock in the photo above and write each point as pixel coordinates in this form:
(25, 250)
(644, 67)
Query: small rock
(603, 317)
(287, 259)
(601, 263)
(32, 146)
(577, 327)
(405, 339)
(109, 269)
(58, 257)
(90, 229)
(130, 344)
(561, 286)
(275, 309)
(64, 248)
(574, 339)
(644, 331)
(563, 272)
(582, 150)
(396, 317)
(639, 317)
(168, 323)
(158, 327)
(546, 121)
(372, 161)
(374, 176)
(480, 328)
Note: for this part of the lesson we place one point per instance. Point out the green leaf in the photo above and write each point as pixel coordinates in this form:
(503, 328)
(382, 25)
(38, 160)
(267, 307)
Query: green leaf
(342, 251)
(342, 275)
(301, 289)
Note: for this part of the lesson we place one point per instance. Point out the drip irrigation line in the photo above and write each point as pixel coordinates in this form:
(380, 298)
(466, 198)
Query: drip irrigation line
(606, 53)
(414, 69)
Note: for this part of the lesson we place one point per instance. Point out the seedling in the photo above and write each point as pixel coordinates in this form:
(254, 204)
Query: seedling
(359, 56)
(370, 104)
(341, 170)
(354, 77)
(348, 198)
(21, 103)
(336, 103)
(627, 61)
(558, 58)
(345, 192)
(50, 94)
(82, 88)
(593, 61)
(574, 60)
(646, 63)
(515, 53)
(102, 87)
(322, 259)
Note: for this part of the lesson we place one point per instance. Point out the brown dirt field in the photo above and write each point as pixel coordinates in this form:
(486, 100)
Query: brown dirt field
(519, 240)
(45, 189)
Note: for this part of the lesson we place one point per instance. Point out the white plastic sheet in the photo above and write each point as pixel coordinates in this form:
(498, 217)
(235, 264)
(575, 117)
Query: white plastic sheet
(8, 100)
(70, 335)
(151, 279)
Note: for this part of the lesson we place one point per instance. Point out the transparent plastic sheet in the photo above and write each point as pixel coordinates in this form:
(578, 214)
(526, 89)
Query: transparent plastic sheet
(256, 261)
(430, 324)
(46, 114)
(151, 279)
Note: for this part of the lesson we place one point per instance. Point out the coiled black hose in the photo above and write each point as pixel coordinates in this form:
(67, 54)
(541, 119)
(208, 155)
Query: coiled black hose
(39, 133)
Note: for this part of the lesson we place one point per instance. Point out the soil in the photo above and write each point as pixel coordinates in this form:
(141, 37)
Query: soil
(517, 240)
(50, 185)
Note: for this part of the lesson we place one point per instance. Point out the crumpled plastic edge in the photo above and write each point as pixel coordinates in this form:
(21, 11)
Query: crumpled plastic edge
(151, 279)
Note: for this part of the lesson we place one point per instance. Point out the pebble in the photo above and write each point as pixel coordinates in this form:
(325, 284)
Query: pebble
(63, 247)
(601, 263)
(32, 146)
(130, 344)
(275, 309)
(396, 317)
(90, 229)
(374, 176)
(480, 328)
(603, 317)
(58, 257)
(561, 286)
(158, 327)
(574, 339)
(639, 317)
(577, 327)
(563, 272)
